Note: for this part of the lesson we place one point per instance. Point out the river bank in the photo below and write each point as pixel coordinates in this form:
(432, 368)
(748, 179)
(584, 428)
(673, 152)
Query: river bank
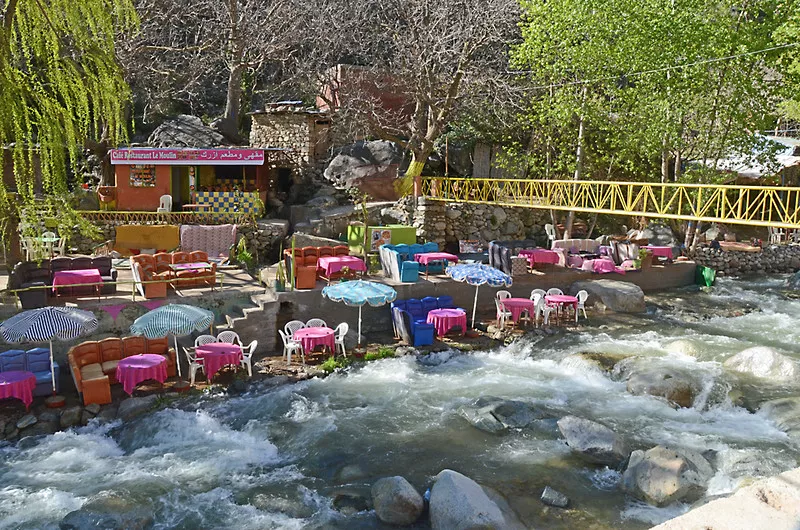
(307, 454)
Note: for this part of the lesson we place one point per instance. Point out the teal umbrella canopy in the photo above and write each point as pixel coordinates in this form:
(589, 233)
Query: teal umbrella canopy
(478, 274)
(177, 319)
(359, 293)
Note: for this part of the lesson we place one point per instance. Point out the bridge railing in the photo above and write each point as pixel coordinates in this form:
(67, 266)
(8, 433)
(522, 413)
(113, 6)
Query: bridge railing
(748, 205)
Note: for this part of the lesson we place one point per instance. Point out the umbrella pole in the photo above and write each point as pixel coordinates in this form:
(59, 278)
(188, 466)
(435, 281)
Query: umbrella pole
(359, 325)
(52, 367)
(475, 304)
(177, 355)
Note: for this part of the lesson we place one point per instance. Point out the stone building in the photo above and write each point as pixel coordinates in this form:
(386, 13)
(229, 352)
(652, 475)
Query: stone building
(301, 139)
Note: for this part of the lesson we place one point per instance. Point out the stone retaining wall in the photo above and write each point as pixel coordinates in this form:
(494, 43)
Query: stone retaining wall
(449, 222)
(773, 258)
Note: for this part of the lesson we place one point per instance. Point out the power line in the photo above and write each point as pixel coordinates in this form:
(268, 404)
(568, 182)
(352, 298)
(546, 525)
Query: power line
(656, 70)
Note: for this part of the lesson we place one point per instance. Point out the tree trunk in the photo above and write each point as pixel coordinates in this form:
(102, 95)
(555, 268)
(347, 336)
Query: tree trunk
(678, 163)
(230, 121)
(665, 159)
(578, 163)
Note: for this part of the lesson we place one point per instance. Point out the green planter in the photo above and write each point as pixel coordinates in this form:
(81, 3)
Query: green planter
(279, 286)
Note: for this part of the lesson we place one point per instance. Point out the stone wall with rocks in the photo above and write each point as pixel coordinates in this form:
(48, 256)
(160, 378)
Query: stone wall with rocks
(447, 223)
(772, 258)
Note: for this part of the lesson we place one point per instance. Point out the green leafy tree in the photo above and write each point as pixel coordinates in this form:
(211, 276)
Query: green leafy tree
(60, 85)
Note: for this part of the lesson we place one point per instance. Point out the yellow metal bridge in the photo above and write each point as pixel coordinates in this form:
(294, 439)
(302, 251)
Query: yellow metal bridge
(745, 205)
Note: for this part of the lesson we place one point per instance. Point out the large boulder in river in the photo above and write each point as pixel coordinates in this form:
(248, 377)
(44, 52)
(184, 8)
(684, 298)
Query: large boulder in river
(656, 234)
(785, 412)
(370, 166)
(495, 415)
(793, 282)
(662, 475)
(763, 361)
(396, 501)
(622, 297)
(110, 512)
(661, 381)
(592, 441)
(460, 503)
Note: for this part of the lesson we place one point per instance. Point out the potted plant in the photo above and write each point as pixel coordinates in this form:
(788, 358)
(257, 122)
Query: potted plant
(645, 259)
(346, 274)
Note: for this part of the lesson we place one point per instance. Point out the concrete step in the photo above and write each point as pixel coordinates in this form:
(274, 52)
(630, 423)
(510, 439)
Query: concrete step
(257, 322)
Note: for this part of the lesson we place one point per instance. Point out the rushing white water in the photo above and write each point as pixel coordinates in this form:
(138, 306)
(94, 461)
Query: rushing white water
(277, 457)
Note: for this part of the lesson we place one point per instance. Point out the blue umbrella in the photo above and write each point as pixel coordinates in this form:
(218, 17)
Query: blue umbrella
(48, 323)
(178, 319)
(358, 293)
(478, 274)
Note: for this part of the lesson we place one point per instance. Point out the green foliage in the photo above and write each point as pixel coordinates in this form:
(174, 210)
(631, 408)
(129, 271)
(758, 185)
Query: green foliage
(244, 256)
(331, 364)
(384, 352)
(60, 84)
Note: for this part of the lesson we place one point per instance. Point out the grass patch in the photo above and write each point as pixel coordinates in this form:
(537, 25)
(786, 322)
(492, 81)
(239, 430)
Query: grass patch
(331, 364)
(384, 352)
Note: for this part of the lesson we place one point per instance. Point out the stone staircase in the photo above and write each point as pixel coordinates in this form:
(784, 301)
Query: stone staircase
(256, 322)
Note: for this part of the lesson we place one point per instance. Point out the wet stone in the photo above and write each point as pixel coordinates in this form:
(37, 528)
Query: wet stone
(555, 498)
(26, 421)
(93, 409)
(70, 417)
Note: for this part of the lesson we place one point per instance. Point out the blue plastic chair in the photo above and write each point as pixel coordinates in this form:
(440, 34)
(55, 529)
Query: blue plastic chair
(12, 360)
(414, 307)
(38, 362)
(409, 271)
(430, 246)
(401, 249)
(413, 250)
(445, 302)
(429, 303)
(423, 334)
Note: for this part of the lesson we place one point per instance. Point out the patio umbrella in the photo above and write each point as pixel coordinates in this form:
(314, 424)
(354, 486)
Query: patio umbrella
(478, 274)
(46, 324)
(358, 293)
(178, 319)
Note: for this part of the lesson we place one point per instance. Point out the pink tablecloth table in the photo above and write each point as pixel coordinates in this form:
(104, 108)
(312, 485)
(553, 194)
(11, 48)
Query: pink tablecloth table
(215, 355)
(540, 255)
(516, 306)
(446, 319)
(664, 252)
(426, 258)
(137, 368)
(77, 277)
(311, 338)
(18, 384)
(327, 265)
(561, 299)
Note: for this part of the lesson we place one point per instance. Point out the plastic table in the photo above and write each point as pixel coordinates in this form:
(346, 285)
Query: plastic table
(329, 265)
(85, 276)
(18, 384)
(664, 252)
(425, 258)
(540, 255)
(516, 306)
(215, 355)
(444, 320)
(137, 368)
(311, 338)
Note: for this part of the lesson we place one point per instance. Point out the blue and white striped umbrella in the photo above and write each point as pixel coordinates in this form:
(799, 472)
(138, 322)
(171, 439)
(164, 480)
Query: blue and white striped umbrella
(177, 319)
(47, 324)
(358, 293)
(478, 274)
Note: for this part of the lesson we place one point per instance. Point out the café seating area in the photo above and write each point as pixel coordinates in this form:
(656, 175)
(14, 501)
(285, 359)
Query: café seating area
(40, 274)
(305, 262)
(36, 361)
(93, 364)
(172, 269)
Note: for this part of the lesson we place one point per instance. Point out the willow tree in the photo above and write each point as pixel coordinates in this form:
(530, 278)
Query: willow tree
(60, 85)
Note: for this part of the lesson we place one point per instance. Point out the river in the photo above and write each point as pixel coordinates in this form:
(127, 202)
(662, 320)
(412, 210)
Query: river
(276, 457)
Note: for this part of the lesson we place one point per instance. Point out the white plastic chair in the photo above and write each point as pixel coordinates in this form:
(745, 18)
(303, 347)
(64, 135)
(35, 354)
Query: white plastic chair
(545, 310)
(316, 323)
(554, 291)
(535, 297)
(289, 346)
(48, 246)
(502, 295)
(339, 333)
(540, 292)
(195, 365)
(59, 248)
(165, 204)
(34, 250)
(204, 339)
(502, 313)
(247, 356)
(229, 337)
(550, 230)
(293, 326)
(582, 296)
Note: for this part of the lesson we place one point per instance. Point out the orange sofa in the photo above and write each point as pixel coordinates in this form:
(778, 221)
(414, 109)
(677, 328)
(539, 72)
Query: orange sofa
(305, 263)
(147, 267)
(94, 363)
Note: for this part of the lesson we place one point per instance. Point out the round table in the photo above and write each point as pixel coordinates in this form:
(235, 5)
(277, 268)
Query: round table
(215, 355)
(446, 319)
(517, 306)
(18, 384)
(311, 338)
(137, 368)
(561, 299)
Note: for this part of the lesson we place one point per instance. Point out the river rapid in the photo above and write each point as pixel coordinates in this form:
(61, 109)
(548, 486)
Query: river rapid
(277, 457)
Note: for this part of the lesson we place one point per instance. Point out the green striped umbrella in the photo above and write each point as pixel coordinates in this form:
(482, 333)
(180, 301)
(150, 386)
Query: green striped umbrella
(177, 319)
